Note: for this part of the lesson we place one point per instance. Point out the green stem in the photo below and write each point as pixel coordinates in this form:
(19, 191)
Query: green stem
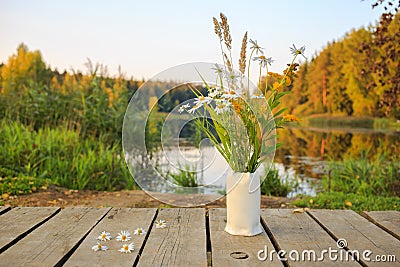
(259, 79)
(284, 76)
(266, 80)
(248, 72)
(222, 53)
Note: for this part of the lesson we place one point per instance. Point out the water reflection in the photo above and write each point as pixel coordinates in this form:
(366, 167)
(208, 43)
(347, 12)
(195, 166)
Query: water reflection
(307, 150)
(303, 157)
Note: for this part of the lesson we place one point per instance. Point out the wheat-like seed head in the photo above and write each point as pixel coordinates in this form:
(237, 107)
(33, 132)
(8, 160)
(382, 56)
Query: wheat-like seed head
(226, 31)
(217, 28)
(242, 60)
(228, 62)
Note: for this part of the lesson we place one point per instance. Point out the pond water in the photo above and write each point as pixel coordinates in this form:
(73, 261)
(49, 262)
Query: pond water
(307, 151)
(303, 158)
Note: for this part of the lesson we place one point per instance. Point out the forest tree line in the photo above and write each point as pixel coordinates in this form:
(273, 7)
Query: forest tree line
(357, 75)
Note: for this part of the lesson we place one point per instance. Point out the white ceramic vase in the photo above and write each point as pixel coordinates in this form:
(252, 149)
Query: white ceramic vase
(243, 204)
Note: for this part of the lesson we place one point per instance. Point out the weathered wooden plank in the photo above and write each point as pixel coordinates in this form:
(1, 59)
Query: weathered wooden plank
(299, 233)
(18, 222)
(387, 220)
(116, 220)
(181, 243)
(4, 209)
(360, 235)
(49, 244)
(229, 250)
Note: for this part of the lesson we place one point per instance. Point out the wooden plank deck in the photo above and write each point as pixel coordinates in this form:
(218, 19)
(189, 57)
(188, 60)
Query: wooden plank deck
(299, 232)
(4, 209)
(228, 250)
(116, 220)
(195, 237)
(21, 221)
(359, 233)
(387, 220)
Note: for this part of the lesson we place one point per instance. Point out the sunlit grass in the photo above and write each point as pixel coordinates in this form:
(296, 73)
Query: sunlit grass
(62, 157)
(359, 184)
(363, 176)
(273, 185)
(186, 177)
(341, 200)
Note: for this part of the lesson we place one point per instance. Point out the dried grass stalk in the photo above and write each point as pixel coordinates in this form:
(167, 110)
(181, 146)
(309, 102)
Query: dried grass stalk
(217, 28)
(242, 60)
(225, 28)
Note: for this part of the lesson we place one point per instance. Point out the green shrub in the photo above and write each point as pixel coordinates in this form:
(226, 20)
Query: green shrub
(274, 186)
(186, 177)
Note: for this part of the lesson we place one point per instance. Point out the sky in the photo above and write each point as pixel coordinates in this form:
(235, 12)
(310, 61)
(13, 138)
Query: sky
(147, 37)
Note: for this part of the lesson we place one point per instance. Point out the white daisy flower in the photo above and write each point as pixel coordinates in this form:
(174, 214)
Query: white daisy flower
(220, 108)
(213, 93)
(230, 95)
(127, 248)
(104, 236)
(256, 47)
(257, 96)
(139, 231)
(217, 68)
(99, 247)
(298, 51)
(183, 108)
(193, 109)
(161, 224)
(202, 100)
(232, 78)
(263, 60)
(124, 236)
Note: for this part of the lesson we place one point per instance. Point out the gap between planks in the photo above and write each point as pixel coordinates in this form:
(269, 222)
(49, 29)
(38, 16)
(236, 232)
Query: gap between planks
(359, 234)
(51, 243)
(20, 221)
(4, 209)
(389, 221)
(298, 235)
(181, 243)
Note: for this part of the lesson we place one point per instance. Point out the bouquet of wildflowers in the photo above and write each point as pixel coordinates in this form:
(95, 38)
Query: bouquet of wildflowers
(237, 116)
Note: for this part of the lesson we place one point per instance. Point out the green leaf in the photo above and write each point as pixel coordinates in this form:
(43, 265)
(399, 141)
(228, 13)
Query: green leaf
(280, 112)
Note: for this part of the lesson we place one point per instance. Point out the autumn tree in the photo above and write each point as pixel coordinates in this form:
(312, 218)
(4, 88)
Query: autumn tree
(383, 58)
(22, 70)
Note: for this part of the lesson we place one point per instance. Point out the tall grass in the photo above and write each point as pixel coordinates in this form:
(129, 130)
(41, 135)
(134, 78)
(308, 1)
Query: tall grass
(363, 176)
(359, 184)
(62, 156)
(90, 112)
(186, 177)
(273, 185)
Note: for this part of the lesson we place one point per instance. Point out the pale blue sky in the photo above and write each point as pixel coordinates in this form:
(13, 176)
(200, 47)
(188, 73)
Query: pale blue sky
(146, 37)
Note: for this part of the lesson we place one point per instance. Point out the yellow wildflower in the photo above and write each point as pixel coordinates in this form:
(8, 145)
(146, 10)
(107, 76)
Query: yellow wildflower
(348, 203)
(275, 75)
(236, 106)
(291, 118)
(288, 81)
(277, 86)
